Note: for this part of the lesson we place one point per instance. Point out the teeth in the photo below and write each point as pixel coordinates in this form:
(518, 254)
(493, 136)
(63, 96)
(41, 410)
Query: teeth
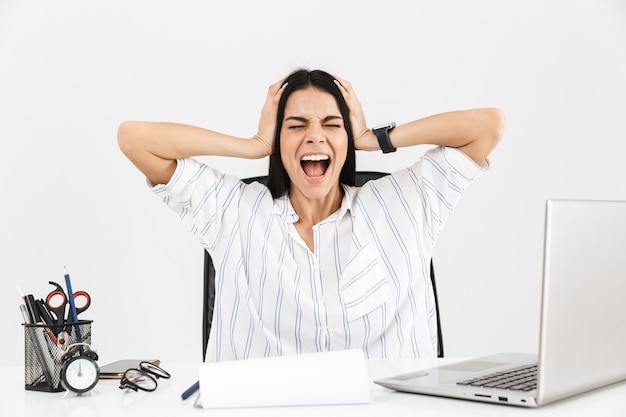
(315, 158)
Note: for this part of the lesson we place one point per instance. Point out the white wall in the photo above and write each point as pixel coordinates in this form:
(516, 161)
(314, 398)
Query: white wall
(71, 71)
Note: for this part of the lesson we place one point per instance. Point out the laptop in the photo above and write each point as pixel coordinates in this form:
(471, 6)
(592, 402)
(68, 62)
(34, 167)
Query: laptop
(582, 343)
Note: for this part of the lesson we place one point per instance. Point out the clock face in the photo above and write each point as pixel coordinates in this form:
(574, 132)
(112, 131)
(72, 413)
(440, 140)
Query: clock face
(80, 374)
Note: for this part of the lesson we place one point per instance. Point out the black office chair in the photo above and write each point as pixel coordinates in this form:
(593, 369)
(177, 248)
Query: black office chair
(209, 276)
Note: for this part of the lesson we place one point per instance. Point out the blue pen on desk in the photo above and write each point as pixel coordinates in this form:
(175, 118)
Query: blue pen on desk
(189, 391)
(70, 299)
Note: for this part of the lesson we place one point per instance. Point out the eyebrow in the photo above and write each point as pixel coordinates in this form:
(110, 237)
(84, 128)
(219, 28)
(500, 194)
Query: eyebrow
(305, 120)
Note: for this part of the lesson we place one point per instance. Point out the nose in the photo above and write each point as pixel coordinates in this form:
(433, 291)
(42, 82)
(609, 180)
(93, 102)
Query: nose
(315, 133)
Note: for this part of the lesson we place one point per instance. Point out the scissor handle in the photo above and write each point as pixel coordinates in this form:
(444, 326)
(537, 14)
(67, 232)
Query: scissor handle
(82, 301)
(56, 302)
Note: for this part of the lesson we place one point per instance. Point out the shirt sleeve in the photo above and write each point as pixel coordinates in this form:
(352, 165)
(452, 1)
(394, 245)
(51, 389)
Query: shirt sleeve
(434, 185)
(202, 197)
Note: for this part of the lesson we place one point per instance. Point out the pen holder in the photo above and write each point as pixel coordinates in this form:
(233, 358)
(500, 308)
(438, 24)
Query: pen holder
(44, 348)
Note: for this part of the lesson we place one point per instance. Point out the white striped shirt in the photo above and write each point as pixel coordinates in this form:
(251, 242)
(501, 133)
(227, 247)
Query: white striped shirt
(366, 285)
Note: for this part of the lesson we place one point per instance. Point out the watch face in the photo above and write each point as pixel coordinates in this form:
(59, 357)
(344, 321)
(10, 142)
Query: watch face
(80, 374)
(388, 126)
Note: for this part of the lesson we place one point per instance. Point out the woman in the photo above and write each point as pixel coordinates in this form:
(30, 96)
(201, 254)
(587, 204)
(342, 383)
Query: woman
(311, 263)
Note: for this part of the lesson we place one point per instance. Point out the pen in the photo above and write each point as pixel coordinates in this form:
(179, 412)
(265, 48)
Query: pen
(189, 391)
(24, 313)
(29, 301)
(44, 313)
(46, 319)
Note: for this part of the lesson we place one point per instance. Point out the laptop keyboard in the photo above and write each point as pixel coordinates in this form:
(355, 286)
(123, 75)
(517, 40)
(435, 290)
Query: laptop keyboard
(523, 378)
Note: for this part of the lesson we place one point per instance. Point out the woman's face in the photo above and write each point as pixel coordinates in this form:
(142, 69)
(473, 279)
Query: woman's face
(313, 142)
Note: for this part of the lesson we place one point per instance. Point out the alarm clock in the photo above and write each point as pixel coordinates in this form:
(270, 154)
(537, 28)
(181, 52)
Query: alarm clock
(80, 371)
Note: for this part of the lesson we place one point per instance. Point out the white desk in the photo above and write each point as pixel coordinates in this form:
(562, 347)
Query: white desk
(111, 401)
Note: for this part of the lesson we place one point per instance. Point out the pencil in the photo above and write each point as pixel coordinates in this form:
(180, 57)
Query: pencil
(70, 299)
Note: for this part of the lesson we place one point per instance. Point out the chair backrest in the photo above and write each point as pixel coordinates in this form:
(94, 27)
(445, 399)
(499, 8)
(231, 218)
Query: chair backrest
(209, 275)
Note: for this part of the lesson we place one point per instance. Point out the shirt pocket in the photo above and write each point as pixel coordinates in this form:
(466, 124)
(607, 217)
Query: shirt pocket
(364, 283)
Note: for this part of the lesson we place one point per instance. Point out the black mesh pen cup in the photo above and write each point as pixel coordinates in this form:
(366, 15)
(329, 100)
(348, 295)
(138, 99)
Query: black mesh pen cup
(44, 348)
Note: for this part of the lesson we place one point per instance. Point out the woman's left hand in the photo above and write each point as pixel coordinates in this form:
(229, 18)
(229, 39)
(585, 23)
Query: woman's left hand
(364, 138)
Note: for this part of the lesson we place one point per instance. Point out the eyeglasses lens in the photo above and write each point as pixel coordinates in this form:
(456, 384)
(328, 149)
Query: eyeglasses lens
(154, 370)
(139, 379)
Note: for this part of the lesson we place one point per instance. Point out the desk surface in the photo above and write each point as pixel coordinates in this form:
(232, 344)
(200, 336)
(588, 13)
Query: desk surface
(110, 401)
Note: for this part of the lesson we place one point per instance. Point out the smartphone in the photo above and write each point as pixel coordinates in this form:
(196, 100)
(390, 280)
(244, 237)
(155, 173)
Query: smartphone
(115, 370)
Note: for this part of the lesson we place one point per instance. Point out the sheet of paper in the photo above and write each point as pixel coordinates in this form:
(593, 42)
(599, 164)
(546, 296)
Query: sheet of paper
(338, 377)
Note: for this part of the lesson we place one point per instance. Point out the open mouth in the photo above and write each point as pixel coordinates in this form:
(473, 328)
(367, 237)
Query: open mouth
(315, 166)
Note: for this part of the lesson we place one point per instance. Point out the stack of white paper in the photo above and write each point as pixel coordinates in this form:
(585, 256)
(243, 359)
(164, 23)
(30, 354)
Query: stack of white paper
(338, 377)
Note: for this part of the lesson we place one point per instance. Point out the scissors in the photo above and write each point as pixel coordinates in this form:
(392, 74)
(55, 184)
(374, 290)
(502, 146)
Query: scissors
(57, 303)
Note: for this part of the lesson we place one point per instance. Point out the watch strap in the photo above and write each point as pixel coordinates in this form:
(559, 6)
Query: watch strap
(382, 134)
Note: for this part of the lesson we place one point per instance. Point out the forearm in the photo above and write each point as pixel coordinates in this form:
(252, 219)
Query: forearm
(155, 147)
(475, 132)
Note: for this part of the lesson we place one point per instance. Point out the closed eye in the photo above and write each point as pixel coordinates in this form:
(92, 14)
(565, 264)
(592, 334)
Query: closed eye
(332, 122)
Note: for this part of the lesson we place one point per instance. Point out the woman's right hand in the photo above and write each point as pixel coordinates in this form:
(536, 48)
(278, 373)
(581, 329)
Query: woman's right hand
(155, 147)
(267, 123)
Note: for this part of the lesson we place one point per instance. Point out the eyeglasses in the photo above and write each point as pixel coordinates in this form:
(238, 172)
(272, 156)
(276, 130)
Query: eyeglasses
(143, 378)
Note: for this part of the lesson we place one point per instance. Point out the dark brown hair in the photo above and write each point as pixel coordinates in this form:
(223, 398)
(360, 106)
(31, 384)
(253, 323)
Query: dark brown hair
(278, 180)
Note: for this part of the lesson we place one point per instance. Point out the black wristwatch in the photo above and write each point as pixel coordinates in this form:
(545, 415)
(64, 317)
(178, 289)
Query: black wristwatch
(382, 134)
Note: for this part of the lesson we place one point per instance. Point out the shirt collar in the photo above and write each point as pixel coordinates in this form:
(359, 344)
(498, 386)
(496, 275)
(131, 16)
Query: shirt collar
(283, 207)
